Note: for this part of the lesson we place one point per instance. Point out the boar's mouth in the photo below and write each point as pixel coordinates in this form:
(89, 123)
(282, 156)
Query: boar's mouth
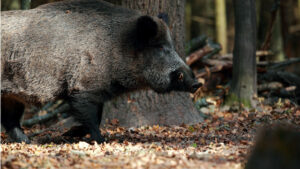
(179, 87)
(185, 87)
(181, 79)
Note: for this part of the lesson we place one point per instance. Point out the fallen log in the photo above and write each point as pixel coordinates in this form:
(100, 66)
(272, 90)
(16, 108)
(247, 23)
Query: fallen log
(206, 52)
(269, 86)
(208, 70)
(195, 44)
(218, 62)
(49, 115)
(63, 125)
(284, 77)
(197, 55)
(283, 64)
(259, 53)
(287, 79)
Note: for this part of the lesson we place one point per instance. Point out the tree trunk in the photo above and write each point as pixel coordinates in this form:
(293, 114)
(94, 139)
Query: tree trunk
(203, 18)
(243, 86)
(148, 107)
(221, 27)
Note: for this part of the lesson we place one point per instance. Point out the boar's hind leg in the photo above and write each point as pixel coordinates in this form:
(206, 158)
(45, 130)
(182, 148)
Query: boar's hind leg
(81, 131)
(11, 113)
(87, 113)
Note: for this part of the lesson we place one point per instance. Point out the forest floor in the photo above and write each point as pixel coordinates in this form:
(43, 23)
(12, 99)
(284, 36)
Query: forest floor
(223, 140)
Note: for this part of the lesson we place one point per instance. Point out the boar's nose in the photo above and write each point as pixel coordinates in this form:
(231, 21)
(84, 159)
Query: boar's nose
(195, 86)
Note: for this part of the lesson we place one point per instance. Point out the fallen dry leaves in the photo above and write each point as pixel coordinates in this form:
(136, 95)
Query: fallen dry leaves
(223, 140)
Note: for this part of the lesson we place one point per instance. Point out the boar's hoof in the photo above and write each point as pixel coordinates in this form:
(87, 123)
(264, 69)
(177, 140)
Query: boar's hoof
(96, 136)
(77, 131)
(17, 135)
(81, 131)
(99, 140)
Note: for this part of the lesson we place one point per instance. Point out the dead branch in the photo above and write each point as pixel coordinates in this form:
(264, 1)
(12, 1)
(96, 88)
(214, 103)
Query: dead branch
(51, 113)
(267, 41)
(279, 64)
(213, 62)
(294, 29)
(207, 71)
(285, 63)
(259, 53)
(197, 55)
(206, 52)
(62, 125)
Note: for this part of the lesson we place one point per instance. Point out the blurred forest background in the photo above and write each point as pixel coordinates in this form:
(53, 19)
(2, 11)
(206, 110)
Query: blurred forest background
(215, 19)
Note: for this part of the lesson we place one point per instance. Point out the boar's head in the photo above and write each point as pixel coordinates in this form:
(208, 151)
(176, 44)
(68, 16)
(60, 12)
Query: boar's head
(163, 69)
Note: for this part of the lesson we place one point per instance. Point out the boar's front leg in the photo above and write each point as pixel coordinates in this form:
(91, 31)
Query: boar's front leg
(11, 113)
(87, 110)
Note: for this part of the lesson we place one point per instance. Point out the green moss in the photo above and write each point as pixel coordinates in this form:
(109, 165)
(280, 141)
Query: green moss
(233, 100)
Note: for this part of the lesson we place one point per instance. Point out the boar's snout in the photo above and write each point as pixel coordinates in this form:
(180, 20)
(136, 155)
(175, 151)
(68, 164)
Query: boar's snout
(195, 86)
(183, 79)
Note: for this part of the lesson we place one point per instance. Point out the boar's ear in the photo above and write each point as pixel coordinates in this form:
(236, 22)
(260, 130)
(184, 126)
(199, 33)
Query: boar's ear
(146, 29)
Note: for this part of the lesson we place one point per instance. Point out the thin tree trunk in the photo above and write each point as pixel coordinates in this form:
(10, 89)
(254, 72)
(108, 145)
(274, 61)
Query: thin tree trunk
(287, 17)
(148, 107)
(269, 29)
(230, 26)
(221, 27)
(299, 10)
(277, 41)
(25, 4)
(243, 86)
(10, 5)
(203, 18)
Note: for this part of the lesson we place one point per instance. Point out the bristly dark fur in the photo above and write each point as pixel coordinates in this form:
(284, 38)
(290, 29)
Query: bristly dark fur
(87, 52)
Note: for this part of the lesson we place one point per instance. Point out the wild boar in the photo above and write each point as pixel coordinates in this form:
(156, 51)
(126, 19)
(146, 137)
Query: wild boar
(86, 52)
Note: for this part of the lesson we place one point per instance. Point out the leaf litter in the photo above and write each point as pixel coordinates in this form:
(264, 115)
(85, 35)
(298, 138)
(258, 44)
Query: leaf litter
(223, 140)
